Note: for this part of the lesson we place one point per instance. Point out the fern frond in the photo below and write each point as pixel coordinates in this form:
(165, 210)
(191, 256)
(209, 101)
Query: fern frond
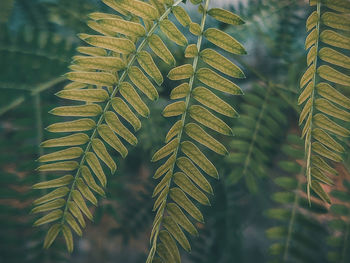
(182, 182)
(339, 239)
(103, 80)
(296, 237)
(325, 108)
(256, 131)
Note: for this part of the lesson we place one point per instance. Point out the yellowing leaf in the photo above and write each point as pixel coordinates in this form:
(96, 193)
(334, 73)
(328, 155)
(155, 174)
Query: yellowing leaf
(199, 135)
(70, 140)
(334, 57)
(337, 21)
(311, 21)
(55, 194)
(187, 166)
(324, 138)
(182, 72)
(331, 94)
(112, 64)
(191, 51)
(66, 154)
(68, 238)
(93, 78)
(109, 137)
(174, 130)
(182, 200)
(101, 151)
(142, 83)
(73, 224)
(225, 16)
(307, 76)
(219, 62)
(311, 39)
(72, 126)
(88, 110)
(166, 150)
(88, 95)
(122, 26)
(172, 32)
(186, 185)
(146, 62)
(51, 235)
(179, 217)
(95, 166)
(160, 49)
(176, 232)
(195, 29)
(335, 39)
(180, 91)
(123, 110)
(174, 109)
(85, 191)
(139, 8)
(320, 192)
(306, 93)
(224, 41)
(92, 51)
(325, 152)
(132, 97)
(55, 204)
(325, 123)
(209, 99)
(74, 209)
(115, 124)
(52, 216)
(311, 55)
(181, 15)
(194, 154)
(80, 202)
(62, 181)
(60, 166)
(329, 108)
(119, 45)
(90, 181)
(209, 120)
(215, 81)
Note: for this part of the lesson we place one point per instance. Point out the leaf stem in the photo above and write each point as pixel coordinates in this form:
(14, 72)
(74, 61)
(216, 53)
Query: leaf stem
(183, 119)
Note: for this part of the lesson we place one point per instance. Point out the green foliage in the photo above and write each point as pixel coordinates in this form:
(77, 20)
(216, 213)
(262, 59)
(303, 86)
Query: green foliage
(255, 132)
(339, 223)
(298, 230)
(325, 108)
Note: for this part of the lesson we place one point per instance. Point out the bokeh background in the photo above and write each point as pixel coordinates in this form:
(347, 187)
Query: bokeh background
(38, 39)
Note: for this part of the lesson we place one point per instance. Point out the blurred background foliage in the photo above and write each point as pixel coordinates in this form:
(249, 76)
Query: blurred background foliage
(258, 213)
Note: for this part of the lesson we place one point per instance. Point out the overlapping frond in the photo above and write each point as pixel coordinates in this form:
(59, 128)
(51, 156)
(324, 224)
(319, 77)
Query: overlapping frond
(103, 81)
(325, 108)
(339, 240)
(260, 123)
(297, 234)
(182, 182)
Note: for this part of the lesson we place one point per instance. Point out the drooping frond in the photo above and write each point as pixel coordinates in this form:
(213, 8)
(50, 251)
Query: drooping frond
(182, 181)
(260, 123)
(339, 240)
(103, 81)
(325, 108)
(297, 233)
